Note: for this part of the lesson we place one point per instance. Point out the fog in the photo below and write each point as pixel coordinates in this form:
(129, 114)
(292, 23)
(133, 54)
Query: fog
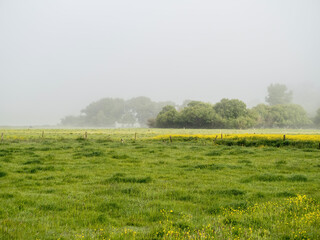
(58, 56)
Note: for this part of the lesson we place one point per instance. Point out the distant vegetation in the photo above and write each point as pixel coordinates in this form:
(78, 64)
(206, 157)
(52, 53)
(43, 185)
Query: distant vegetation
(108, 112)
(278, 94)
(226, 114)
(232, 114)
(317, 118)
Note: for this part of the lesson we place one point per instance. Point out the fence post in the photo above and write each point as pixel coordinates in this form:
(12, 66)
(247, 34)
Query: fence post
(42, 134)
(170, 139)
(2, 137)
(215, 139)
(85, 135)
(284, 137)
(135, 136)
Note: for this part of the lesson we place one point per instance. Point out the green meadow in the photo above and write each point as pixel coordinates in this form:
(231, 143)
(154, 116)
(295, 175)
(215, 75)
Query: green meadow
(123, 184)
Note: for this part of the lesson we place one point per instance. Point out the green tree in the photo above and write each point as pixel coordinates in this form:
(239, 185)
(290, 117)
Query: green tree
(199, 115)
(104, 112)
(316, 120)
(282, 116)
(262, 114)
(184, 104)
(144, 108)
(235, 114)
(242, 122)
(230, 109)
(278, 94)
(289, 116)
(167, 117)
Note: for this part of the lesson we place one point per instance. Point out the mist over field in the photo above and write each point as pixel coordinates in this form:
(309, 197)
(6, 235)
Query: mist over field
(142, 119)
(57, 57)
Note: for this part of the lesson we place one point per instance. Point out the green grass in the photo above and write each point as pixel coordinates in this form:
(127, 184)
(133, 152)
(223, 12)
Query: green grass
(64, 187)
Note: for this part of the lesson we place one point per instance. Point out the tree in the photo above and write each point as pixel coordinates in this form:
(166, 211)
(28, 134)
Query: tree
(231, 109)
(199, 115)
(144, 108)
(234, 113)
(316, 120)
(278, 94)
(282, 116)
(107, 111)
(289, 116)
(104, 112)
(127, 118)
(167, 117)
(262, 113)
(225, 114)
(184, 104)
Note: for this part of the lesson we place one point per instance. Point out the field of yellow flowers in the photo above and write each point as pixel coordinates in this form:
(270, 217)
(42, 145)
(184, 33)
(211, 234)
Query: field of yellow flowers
(248, 136)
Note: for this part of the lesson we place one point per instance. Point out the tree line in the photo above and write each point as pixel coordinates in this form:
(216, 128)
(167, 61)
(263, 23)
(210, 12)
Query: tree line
(279, 112)
(232, 113)
(108, 112)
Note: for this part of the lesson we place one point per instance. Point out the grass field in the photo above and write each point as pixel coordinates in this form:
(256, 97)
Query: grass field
(59, 184)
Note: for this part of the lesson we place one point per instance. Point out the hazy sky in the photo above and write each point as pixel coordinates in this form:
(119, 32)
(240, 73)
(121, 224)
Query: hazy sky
(58, 56)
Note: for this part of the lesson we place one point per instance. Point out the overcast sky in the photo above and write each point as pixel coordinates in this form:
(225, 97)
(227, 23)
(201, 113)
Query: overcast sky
(58, 56)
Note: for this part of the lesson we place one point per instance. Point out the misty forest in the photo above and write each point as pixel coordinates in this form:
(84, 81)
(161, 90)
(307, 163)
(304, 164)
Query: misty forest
(159, 120)
(279, 112)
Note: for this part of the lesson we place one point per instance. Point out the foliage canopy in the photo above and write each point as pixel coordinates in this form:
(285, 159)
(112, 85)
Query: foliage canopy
(228, 113)
(278, 94)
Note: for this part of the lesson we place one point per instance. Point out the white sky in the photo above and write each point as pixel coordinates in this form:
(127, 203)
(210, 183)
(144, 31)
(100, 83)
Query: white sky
(58, 56)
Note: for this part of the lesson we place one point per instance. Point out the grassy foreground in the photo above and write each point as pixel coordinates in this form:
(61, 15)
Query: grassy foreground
(62, 186)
